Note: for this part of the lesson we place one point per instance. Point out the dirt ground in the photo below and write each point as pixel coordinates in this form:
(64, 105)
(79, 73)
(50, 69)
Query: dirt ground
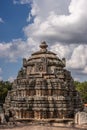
(41, 128)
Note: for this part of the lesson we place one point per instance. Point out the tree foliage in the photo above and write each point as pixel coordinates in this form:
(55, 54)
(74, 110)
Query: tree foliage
(82, 88)
(4, 87)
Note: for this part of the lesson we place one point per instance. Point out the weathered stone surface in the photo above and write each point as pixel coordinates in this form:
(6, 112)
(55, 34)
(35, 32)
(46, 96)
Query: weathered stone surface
(2, 117)
(81, 118)
(43, 89)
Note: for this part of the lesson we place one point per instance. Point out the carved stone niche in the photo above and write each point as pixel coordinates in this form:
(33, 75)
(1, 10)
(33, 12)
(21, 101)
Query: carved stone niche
(40, 67)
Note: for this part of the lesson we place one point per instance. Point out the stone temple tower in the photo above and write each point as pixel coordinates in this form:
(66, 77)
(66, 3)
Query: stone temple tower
(43, 89)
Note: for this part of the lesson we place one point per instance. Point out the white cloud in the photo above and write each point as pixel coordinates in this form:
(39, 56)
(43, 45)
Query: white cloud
(85, 70)
(76, 79)
(0, 70)
(17, 49)
(1, 20)
(21, 1)
(11, 79)
(63, 50)
(50, 25)
(63, 24)
(78, 58)
(43, 9)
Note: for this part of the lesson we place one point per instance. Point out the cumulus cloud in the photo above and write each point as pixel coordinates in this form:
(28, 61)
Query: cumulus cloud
(1, 20)
(58, 21)
(76, 56)
(21, 1)
(0, 70)
(16, 49)
(78, 61)
(11, 79)
(69, 28)
(79, 57)
(63, 50)
(63, 24)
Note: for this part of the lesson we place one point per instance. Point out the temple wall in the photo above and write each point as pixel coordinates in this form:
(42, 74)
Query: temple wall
(43, 89)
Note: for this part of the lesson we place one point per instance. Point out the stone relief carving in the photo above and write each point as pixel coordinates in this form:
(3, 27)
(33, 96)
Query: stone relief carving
(40, 92)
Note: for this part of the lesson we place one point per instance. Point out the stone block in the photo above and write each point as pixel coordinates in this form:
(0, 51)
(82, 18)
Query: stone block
(81, 118)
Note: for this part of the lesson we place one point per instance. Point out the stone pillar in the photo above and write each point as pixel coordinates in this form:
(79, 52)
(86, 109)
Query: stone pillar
(19, 93)
(27, 114)
(24, 116)
(44, 115)
(36, 92)
(32, 92)
(29, 92)
(50, 92)
(31, 114)
(19, 114)
(51, 114)
(64, 113)
(61, 114)
(22, 93)
(42, 93)
(37, 115)
(59, 91)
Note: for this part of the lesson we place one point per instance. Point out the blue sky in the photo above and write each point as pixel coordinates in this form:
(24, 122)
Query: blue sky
(25, 23)
(14, 19)
(14, 16)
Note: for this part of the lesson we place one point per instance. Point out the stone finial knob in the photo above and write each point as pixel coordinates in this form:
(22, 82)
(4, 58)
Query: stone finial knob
(43, 46)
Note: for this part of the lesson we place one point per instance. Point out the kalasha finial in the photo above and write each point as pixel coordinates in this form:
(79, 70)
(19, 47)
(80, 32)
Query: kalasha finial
(43, 46)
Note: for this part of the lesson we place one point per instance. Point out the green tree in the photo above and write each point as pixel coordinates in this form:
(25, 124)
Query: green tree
(82, 88)
(4, 87)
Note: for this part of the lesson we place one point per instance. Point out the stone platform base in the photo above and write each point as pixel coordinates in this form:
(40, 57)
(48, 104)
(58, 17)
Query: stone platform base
(48, 122)
(39, 127)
